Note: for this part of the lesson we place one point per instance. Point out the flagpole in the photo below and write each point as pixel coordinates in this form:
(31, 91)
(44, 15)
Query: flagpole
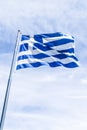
(3, 114)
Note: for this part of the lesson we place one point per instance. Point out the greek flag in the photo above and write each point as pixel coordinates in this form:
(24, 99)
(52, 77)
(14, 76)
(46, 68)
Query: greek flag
(53, 49)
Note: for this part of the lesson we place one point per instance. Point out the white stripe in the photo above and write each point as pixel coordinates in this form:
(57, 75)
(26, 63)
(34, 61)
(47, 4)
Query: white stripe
(28, 61)
(51, 39)
(50, 52)
(65, 46)
(37, 51)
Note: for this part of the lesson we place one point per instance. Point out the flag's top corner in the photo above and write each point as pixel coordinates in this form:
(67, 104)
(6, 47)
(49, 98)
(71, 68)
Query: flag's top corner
(25, 37)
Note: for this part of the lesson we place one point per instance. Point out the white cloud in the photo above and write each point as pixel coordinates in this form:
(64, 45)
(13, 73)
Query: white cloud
(84, 81)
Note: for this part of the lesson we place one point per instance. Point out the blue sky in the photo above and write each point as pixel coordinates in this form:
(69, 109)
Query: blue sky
(44, 98)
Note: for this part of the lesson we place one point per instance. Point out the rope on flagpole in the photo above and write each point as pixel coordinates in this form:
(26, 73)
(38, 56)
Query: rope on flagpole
(3, 114)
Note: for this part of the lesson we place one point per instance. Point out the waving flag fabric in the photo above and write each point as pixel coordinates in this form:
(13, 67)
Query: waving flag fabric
(54, 49)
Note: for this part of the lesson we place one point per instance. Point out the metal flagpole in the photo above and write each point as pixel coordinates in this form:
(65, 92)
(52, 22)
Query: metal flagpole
(3, 114)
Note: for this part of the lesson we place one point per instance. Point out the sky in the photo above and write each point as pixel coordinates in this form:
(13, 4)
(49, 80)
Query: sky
(44, 98)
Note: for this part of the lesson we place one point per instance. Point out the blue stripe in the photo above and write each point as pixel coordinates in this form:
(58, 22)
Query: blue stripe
(25, 37)
(57, 34)
(59, 42)
(22, 57)
(71, 65)
(52, 64)
(55, 64)
(36, 64)
(22, 66)
(42, 56)
(71, 50)
(41, 47)
(38, 56)
(63, 56)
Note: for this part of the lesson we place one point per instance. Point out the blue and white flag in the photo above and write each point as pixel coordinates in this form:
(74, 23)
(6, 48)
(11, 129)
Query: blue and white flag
(54, 49)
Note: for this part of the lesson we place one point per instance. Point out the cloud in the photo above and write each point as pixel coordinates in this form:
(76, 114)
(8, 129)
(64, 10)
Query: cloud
(84, 81)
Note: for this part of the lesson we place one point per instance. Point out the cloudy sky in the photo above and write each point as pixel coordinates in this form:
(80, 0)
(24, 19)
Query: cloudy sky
(44, 98)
